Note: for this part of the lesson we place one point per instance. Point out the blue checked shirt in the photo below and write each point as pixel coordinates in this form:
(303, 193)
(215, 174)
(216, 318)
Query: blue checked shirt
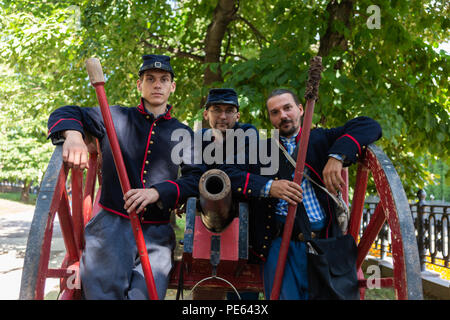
(312, 205)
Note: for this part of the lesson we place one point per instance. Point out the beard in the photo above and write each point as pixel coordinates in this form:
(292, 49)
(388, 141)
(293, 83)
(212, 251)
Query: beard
(289, 131)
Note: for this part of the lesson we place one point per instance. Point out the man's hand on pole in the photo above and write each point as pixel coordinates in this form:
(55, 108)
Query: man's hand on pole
(138, 199)
(286, 190)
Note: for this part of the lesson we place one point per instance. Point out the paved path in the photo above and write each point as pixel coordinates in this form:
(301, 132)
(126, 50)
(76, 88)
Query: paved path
(15, 221)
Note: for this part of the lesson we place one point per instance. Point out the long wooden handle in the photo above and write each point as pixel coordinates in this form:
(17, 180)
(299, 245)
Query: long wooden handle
(95, 73)
(311, 94)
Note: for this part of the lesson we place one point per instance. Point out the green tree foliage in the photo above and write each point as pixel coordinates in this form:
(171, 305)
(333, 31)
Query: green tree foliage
(391, 73)
(24, 153)
(32, 44)
(440, 188)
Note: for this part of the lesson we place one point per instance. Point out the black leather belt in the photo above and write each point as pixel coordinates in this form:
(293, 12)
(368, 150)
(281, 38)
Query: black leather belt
(296, 234)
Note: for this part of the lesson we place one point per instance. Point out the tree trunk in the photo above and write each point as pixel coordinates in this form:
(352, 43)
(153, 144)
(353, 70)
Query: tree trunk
(338, 11)
(224, 13)
(25, 194)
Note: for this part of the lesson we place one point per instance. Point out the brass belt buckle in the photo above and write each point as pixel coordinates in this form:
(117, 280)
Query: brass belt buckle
(301, 237)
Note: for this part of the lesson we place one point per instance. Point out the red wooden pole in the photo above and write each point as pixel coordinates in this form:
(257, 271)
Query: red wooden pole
(97, 80)
(292, 209)
(311, 94)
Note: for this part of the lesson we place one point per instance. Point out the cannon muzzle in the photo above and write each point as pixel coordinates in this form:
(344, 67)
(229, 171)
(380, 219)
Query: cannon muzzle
(215, 200)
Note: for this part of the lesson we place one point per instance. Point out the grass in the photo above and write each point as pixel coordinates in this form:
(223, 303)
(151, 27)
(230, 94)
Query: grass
(379, 294)
(179, 229)
(15, 196)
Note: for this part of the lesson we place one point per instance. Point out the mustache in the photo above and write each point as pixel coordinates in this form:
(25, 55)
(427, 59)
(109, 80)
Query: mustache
(285, 122)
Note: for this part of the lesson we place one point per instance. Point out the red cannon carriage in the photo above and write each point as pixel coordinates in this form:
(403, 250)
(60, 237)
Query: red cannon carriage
(216, 241)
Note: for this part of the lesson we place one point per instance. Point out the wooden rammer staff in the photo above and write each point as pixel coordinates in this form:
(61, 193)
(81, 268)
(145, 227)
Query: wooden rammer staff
(97, 79)
(311, 96)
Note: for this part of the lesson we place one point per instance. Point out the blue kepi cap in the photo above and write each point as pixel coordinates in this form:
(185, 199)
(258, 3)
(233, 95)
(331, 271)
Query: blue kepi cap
(222, 96)
(155, 61)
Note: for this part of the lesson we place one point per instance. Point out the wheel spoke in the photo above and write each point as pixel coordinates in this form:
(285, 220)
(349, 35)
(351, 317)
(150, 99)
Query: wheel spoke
(376, 222)
(45, 257)
(66, 223)
(89, 188)
(77, 207)
(358, 200)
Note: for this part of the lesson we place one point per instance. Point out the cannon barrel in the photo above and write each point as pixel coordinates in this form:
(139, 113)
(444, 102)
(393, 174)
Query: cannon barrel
(215, 200)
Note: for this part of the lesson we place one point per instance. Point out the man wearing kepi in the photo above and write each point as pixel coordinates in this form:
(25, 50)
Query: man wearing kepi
(329, 150)
(110, 266)
(222, 114)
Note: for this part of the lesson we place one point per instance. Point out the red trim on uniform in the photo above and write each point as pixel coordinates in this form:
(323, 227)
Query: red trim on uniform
(246, 183)
(113, 211)
(257, 255)
(167, 116)
(140, 107)
(354, 140)
(142, 110)
(297, 138)
(127, 217)
(178, 190)
(50, 130)
(311, 168)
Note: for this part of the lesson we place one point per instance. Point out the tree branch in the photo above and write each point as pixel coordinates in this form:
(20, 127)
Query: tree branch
(175, 51)
(224, 13)
(227, 49)
(256, 32)
(236, 56)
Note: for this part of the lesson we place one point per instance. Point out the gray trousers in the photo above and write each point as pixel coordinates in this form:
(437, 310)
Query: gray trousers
(110, 267)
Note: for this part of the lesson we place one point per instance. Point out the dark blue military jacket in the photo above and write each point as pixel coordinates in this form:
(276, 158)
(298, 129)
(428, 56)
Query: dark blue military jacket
(349, 140)
(146, 146)
(206, 142)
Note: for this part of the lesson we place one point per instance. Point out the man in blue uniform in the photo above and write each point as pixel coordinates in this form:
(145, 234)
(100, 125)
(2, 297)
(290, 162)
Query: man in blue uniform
(110, 267)
(222, 114)
(329, 150)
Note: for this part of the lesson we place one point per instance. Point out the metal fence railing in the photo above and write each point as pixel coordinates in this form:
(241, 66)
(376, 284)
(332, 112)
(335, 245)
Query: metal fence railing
(431, 221)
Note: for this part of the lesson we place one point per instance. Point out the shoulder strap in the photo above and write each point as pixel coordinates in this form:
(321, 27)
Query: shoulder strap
(338, 199)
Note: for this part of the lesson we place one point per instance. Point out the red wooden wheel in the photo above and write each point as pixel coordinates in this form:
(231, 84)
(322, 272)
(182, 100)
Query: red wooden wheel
(394, 209)
(53, 199)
